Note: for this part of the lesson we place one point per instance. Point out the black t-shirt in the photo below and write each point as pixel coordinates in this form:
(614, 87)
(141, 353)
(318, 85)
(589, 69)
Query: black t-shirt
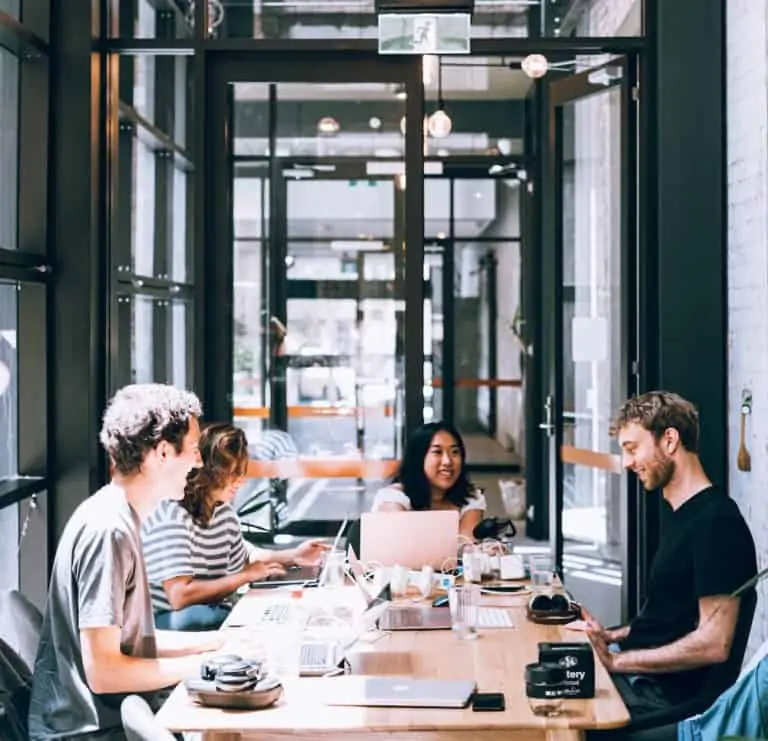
(706, 550)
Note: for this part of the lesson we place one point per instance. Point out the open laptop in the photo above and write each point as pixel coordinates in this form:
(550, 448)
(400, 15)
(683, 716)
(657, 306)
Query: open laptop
(410, 539)
(419, 617)
(399, 617)
(404, 692)
(302, 576)
(318, 657)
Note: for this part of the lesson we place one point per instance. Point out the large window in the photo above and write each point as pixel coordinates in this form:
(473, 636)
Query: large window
(24, 291)
(151, 234)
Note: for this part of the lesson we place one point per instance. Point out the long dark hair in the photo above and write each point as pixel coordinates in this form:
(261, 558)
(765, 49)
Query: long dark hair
(224, 452)
(411, 475)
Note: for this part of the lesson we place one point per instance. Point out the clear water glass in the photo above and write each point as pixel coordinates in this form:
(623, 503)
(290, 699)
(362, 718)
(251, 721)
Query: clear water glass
(464, 603)
(281, 651)
(334, 570)
(541, 568)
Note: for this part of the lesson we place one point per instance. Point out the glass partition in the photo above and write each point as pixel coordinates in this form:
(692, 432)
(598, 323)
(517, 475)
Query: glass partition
(319, 267)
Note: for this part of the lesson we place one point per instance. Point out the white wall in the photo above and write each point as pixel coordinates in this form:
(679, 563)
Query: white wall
(747, 151)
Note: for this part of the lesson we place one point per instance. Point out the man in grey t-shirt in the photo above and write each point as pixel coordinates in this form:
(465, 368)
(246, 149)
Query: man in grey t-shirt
(99, 642)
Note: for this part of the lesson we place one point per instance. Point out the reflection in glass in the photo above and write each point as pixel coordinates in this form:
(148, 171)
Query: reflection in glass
(142, 345)
(9, 149)
(143, 231)
(594, 381)
(11, 7)
(179, 353)
(180, 237)
(250, 349)
(9, 399)
(485, 281)
(149, 20)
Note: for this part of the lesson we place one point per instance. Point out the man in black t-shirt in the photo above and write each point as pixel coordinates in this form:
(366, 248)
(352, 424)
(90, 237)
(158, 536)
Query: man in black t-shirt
(688, 621)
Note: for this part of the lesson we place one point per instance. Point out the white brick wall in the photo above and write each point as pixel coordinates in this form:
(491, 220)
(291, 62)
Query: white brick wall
(747, 152)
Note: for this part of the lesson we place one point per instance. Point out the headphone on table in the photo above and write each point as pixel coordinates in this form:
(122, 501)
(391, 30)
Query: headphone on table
(494, 528)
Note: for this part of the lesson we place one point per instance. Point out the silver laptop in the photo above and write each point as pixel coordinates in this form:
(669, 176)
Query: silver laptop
(405, 692)
(318, 657)
(399, 617)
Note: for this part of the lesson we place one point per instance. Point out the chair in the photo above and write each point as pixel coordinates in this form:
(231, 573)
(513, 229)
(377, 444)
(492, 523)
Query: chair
(720, 678)
(139, 721)
(20, 625)
(15, 689)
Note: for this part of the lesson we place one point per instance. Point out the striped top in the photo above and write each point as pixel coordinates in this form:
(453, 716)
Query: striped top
(174, 545)
(274, 445)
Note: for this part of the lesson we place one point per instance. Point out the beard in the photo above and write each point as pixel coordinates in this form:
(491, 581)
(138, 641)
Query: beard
(659, 472)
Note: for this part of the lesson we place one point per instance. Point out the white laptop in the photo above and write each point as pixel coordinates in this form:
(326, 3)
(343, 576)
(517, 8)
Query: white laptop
(318, 657)
(395, 692)
(410, 539)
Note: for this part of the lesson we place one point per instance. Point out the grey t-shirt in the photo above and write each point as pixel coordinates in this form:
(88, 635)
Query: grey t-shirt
(99, 580)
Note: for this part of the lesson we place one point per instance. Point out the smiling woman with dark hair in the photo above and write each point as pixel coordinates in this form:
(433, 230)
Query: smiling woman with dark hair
(433, 476)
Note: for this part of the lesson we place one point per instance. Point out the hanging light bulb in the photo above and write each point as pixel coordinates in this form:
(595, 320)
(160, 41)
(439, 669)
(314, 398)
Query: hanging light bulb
(328, 126)
(440, 124)
(535, 66)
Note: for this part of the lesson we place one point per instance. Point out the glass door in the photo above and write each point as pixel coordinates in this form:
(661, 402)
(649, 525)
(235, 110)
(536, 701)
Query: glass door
(342, 358)
(591, 336)
(313, 164)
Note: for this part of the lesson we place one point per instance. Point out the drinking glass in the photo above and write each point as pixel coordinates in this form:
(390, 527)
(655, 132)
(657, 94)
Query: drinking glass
(281, 651)
(464, 603)
(472, 560)
(334, 570)
(541, 567)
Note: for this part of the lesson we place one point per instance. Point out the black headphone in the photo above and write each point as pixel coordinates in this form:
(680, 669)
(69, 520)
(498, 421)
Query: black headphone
(232, 673)
(495, 528)
(551, 603)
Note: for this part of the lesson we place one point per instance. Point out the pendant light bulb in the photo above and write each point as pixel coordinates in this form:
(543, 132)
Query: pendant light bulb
(535, 66)
(440, 124)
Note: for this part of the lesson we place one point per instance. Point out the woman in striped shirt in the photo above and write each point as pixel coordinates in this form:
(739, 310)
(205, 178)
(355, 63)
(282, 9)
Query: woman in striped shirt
(194, 549)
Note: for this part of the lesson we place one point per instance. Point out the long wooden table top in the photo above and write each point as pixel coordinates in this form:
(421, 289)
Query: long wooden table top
(495, 660)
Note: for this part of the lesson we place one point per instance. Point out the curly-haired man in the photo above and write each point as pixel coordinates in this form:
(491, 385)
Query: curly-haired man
(99, 642)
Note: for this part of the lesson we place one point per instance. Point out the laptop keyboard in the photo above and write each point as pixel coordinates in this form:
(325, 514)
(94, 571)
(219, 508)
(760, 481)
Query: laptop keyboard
(404, 618)
(314, 655)
(275, 614)
(493, 617)
(487, 618)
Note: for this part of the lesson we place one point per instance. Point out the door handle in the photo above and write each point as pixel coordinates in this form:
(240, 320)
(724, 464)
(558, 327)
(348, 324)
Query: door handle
(547, 425)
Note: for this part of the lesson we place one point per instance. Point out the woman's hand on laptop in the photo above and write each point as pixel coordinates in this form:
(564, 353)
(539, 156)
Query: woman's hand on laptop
(259, 570)
(309, 553)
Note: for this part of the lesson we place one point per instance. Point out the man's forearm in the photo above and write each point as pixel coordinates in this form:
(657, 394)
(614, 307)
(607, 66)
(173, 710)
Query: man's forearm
(173, 643)
(689, 652)
(122, 674)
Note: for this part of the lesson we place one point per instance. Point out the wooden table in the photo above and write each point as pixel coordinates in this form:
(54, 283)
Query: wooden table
(496, 660)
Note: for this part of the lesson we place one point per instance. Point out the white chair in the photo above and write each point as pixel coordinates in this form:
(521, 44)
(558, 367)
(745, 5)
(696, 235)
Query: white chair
(20, 625)
(139, 721)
